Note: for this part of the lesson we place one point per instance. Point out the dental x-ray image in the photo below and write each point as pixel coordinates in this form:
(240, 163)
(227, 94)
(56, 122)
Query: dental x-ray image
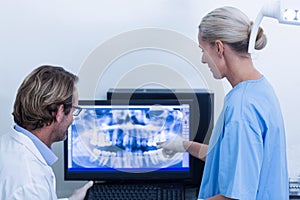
(125, 137)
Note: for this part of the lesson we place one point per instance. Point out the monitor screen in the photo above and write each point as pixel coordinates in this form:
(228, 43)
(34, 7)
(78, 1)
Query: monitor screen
(117, 140)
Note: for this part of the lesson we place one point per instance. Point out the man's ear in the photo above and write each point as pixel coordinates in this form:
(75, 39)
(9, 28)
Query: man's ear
(60, 113)
(219, 47)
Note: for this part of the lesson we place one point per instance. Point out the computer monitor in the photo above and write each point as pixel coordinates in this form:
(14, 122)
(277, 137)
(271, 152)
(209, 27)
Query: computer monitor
(116, 141)
(203, 113)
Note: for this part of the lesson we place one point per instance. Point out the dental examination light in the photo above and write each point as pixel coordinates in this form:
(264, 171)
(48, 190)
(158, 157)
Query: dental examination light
(285, 11)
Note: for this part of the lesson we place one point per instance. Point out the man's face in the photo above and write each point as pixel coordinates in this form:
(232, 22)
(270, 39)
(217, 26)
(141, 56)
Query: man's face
(62, 126)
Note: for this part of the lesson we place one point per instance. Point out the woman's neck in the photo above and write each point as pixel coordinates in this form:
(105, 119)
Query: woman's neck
(241, 69)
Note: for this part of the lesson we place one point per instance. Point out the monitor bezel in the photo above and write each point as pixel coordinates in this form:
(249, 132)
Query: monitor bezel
(120, 176)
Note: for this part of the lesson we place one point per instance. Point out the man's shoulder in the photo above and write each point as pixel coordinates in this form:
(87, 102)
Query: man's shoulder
(10, 142)
(17, 162)
(13, 153)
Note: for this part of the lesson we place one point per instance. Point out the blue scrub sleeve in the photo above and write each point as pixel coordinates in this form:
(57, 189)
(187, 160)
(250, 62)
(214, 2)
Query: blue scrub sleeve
(241, 155)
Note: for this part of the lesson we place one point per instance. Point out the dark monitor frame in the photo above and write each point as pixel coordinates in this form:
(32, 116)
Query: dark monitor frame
(203, 113)
(119, 176)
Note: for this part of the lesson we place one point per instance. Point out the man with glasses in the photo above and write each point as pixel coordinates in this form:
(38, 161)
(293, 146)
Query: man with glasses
(76, 110)
(43, 110)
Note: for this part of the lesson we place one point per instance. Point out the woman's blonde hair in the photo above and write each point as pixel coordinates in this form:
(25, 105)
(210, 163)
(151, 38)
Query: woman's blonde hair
(231, 26)
(40, 95)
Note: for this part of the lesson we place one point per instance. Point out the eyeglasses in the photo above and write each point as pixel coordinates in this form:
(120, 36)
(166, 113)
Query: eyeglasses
(76, 110)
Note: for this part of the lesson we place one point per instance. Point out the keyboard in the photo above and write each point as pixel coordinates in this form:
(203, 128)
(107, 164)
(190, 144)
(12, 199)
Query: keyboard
(135, 192)
(294, 186)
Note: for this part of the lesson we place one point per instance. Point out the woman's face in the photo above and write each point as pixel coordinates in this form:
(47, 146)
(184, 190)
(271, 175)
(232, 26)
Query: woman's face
(211, 58)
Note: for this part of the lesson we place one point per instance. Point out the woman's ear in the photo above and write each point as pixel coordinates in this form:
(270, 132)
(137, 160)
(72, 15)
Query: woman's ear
(219, 47)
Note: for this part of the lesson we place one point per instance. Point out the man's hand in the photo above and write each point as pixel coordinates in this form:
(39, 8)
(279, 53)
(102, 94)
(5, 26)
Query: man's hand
(80, 193)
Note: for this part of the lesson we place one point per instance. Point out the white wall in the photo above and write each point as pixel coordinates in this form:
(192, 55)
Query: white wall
(81, 34)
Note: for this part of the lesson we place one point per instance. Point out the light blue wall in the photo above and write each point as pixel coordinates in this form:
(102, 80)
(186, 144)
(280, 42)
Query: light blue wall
(70, 32)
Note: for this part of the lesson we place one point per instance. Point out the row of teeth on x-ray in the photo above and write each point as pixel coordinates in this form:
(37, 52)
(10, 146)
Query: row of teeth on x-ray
(125, 138)
(148, 159)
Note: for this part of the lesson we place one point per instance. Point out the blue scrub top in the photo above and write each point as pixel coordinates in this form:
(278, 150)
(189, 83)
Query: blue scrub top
(246, 158)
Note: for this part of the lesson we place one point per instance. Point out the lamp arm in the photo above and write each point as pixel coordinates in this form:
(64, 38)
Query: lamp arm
(271, 8)
(254, 30)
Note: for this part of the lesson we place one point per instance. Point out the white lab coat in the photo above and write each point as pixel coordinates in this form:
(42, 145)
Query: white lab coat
(24, 174)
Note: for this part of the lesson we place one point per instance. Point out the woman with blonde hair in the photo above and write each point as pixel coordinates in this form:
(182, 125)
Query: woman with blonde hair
(246, 155)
